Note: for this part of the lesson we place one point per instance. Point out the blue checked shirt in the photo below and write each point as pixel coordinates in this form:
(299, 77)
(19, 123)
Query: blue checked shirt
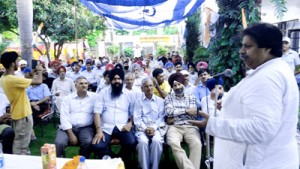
(176, 107)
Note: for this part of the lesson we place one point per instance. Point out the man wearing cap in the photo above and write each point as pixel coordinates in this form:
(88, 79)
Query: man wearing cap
(181, 107)
(22, 65)
(290, 56)
(15, 89)
(188, 87)
(113, 118)
(193, 73)
(61, 87)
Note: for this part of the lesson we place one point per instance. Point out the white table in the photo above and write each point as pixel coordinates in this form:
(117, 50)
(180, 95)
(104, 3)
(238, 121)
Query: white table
(35, 162)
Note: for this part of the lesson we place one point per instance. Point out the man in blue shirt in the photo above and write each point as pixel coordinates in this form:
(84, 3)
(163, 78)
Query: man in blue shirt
(39, 95)
(201, 89)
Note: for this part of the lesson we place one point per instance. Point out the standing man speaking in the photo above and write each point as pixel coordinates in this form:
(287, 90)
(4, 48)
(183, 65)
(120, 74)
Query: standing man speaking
(256, 128)
(15, 89)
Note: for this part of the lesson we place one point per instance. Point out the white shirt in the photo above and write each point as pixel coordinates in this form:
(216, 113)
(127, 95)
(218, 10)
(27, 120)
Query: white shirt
(292, 59)
(90, 76)
(3, 103)
(193, 77)
(77, 112)
(19, 73)
(137, 91)
(148, 112)
(73, 75)
(64, 87)
(189, 89)
(114, 112)
(256, 128)
(208, 102)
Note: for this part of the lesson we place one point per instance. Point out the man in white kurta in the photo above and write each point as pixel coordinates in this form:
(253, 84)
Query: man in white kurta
(256, 128)
(62, 87)
(148, 115)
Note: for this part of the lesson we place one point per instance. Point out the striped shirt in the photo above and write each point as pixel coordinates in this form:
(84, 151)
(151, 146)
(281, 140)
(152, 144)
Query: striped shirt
(176, 108)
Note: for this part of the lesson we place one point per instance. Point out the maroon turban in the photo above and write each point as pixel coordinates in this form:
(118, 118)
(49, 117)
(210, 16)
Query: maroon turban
(176, 77)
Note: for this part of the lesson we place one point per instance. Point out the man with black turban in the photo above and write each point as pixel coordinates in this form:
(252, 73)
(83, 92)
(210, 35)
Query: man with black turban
(113, 118)
(181, 107)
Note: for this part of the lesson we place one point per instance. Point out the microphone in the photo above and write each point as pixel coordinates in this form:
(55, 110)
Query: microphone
(227, 73)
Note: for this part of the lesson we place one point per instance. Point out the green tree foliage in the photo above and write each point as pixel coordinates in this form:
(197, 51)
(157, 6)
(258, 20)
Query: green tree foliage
(192, 43)
(113, 49)
(148, 32)
(161, 50)
(170, 30)
(200, 55)
(224, 48)
(128, 51)
(58, 19)
(93, 37)
(8, 16)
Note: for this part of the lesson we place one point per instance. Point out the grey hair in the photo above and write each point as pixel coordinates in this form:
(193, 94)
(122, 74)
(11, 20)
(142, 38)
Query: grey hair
(129, 74)
(145, 80)
(79, 78)
(134, 66)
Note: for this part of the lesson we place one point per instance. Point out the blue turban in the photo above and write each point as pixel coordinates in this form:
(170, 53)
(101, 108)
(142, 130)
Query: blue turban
(169, 64)
(211, 83)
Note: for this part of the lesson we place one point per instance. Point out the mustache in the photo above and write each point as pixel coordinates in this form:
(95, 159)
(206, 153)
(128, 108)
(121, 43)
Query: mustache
(244, 57)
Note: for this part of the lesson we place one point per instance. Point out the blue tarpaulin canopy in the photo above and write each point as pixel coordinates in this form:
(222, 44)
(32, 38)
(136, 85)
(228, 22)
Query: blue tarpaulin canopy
(129, 2)
(152, 14)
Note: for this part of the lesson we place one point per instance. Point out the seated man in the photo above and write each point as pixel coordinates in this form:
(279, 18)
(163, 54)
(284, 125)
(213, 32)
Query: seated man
(148, 115)
(76, 120)
(181, 107)
(113, 118)
(161, 87)
(90, 75)
(7, 134)
(62, 86)
(39, 96)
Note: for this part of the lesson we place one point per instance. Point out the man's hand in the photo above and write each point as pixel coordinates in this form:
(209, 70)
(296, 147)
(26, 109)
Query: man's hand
(170, 120)
(5, 118)
(219, 104)
(155, 83)
(127, 127)
(73, 139)
(99, 135)
(150, 131)
(201, 124)
(39, 67)
(192, 112)
(37, 108)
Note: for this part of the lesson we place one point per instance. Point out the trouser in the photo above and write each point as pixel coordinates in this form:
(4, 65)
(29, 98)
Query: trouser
(22, 129)
(127, 140)
(149, 155)
(36, 113)
(191, 135)
(84, 136)
(7, 136)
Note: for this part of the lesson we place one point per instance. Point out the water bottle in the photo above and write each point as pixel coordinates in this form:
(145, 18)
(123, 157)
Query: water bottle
(1, 157)
(82, 164)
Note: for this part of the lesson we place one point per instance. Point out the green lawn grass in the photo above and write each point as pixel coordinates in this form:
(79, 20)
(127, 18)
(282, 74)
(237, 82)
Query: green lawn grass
(50, 134)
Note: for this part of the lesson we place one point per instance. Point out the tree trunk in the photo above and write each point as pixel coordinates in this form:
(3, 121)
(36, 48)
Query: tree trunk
(57, 50)
(47, 45)
(25, 19)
